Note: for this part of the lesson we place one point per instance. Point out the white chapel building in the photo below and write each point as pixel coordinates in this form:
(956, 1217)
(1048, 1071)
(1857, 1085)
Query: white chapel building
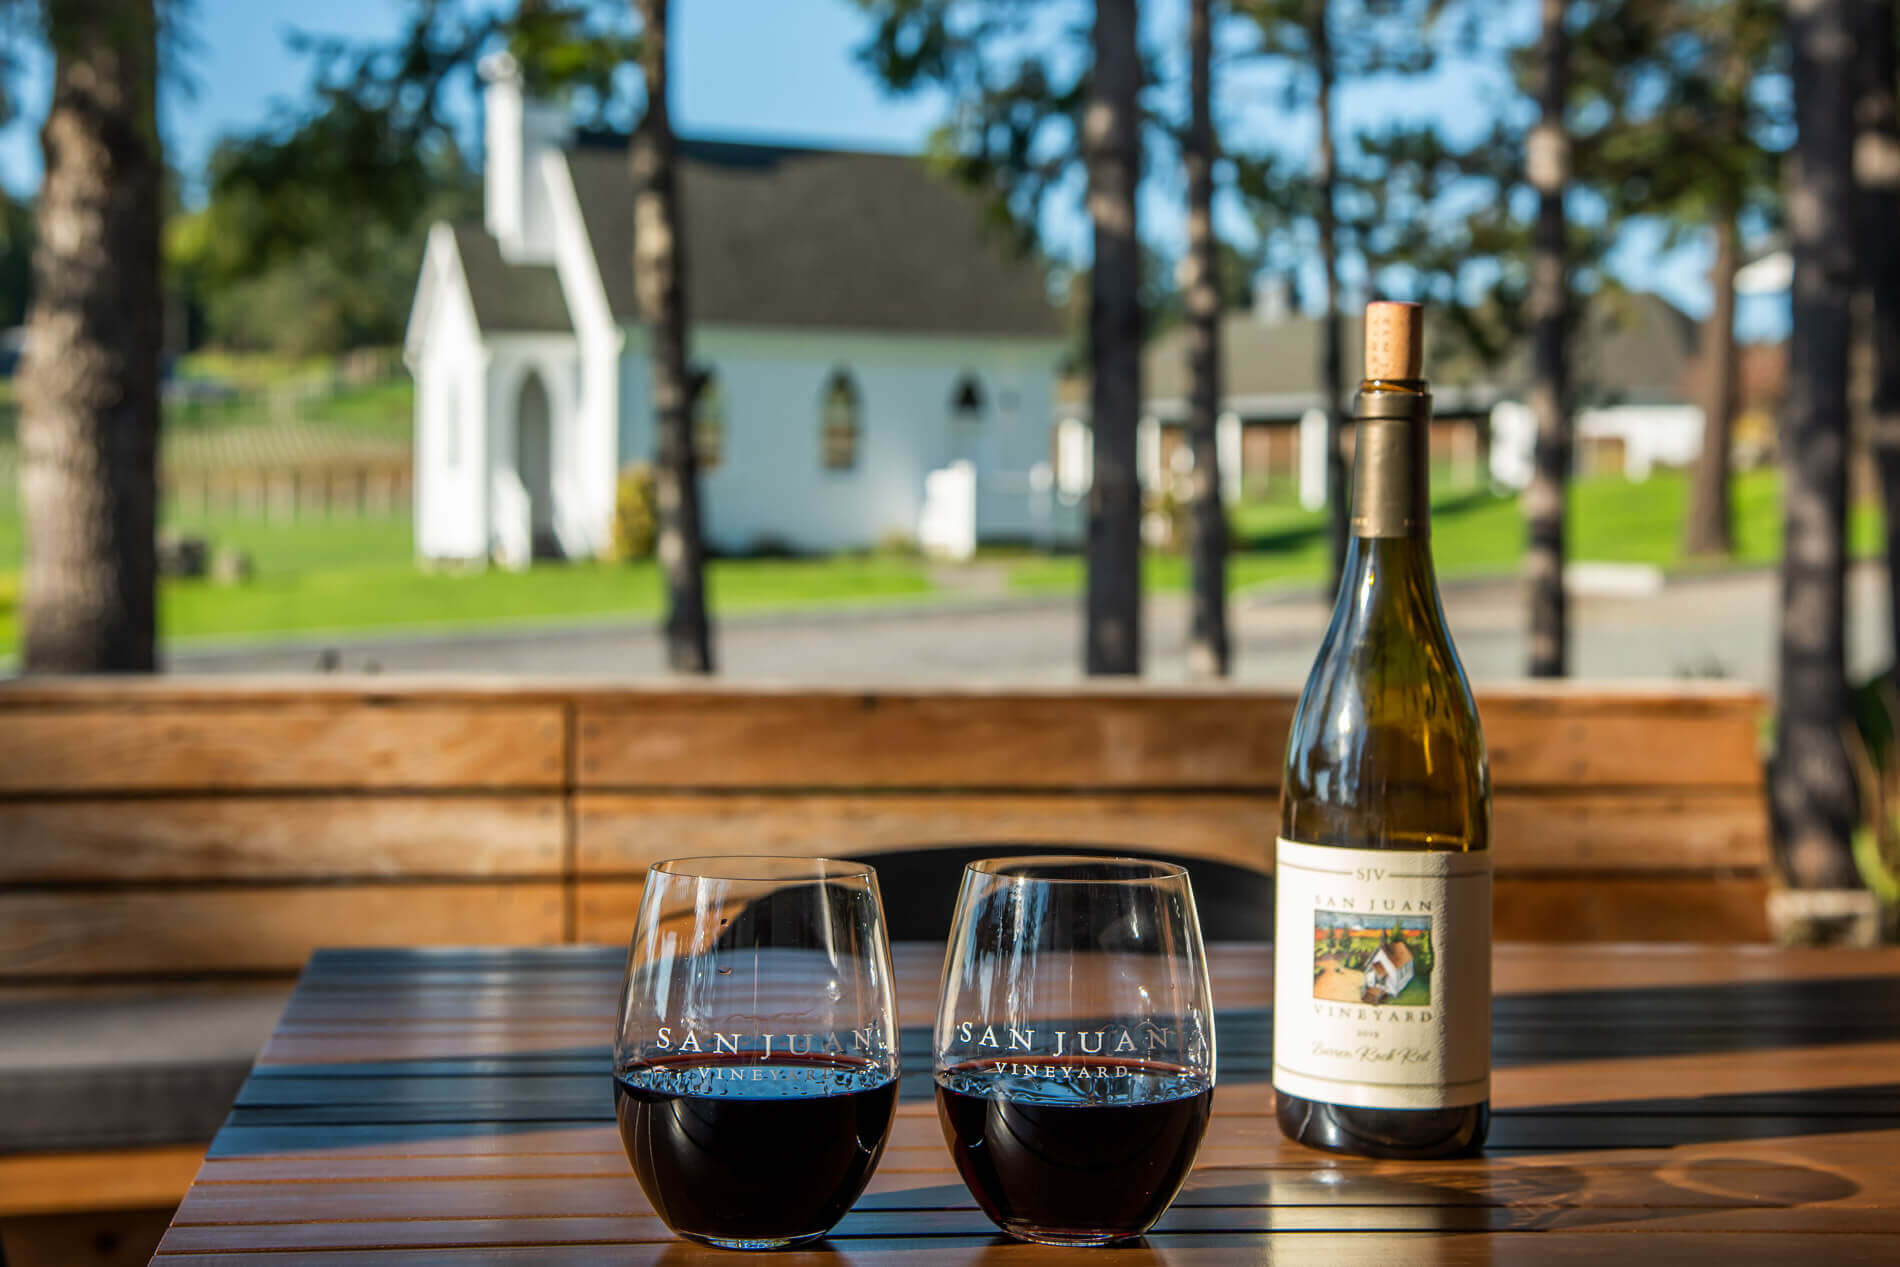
(879, 362)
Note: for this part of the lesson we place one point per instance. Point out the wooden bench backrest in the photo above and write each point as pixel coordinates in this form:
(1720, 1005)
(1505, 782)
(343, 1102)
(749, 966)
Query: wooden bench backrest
(177, 826)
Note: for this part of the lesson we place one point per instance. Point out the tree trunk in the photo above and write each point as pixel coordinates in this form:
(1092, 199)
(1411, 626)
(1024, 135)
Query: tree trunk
(1708, 529)
(1811, 780)
(1332, 382)
(1111, 138)
(89, 389)
(1548, 164)
(1877, 174)
(659, 273)
(1208, 651)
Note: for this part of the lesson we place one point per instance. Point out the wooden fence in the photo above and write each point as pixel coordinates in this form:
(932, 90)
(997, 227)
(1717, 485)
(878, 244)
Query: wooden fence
(178, 826)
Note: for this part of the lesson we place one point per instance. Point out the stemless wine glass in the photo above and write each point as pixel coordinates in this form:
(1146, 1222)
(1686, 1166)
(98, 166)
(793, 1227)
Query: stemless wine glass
(1074, 1052)
(755, 1068)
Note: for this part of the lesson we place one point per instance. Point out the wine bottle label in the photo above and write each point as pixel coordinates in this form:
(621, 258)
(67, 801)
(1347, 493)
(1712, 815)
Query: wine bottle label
(1382, 977)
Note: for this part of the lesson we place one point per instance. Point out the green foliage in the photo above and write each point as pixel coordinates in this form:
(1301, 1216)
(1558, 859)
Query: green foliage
(636, 515)
(1696, 125)
(314, 228)
(1342, 42)
(1017, 94)
(1876, 710)
(897, 544)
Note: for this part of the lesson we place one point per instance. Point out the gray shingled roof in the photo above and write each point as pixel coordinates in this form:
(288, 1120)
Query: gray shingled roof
(1635, 348)
(517, 297)
(820, 239)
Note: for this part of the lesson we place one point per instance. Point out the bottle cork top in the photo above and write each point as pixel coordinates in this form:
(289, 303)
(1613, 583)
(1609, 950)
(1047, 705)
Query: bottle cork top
(1395, 339)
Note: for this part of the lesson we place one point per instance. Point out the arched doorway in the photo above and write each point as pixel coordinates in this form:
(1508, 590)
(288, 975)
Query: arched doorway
(534, 464)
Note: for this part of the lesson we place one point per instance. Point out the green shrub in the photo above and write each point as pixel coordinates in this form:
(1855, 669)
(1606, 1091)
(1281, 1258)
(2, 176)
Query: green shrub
(897, 544)
(636, 516)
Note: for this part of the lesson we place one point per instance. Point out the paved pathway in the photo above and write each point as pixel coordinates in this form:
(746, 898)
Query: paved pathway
(1711, 626)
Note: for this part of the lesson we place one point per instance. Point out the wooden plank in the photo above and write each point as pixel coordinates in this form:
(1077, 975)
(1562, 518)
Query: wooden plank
(105, 1179)
(1846, 1175)
(1624, 908)
(910, 739)
(259, 928)
(1205, 1249)
(1126, 739)
(1629, 830)
(279, 837)
(623, 834)
(1524, 908)
(1730, 1144)
(93, 1238)
(1619, 737)
(502, 1228)
(346, 743)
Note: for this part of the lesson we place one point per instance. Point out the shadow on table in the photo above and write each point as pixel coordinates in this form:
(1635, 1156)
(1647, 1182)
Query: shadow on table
(1499, 1196)
(1638, 1022)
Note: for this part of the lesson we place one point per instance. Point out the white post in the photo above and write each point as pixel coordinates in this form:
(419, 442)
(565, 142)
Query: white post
(947, 524)
(1075, 459)
(1312, 459)
(1227, 448)
(1148, 453)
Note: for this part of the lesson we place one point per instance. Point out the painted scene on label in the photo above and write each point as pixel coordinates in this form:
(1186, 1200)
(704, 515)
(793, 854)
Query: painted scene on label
(1372, 959)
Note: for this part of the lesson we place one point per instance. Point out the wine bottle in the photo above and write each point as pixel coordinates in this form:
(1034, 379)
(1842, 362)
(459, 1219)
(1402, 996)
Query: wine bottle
(1382, 982)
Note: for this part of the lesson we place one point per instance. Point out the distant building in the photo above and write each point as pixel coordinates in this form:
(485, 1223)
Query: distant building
(1634, 369)
(878, 363)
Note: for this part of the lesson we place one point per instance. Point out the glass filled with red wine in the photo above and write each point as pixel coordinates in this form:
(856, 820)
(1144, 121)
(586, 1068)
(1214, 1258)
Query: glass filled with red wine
(755, 1068)
(1074, 1054)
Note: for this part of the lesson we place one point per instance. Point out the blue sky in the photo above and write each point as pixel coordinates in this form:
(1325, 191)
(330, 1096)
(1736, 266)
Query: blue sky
(784, 70)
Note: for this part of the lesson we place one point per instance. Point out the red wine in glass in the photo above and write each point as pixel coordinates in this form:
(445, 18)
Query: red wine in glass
(754, 1150)
(1074, 1044)
(1039, 1150)
(755, 1070)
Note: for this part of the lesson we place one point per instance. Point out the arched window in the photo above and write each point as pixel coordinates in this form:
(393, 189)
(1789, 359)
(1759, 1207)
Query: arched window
(839, 420)
(709, 423)
(966, 399)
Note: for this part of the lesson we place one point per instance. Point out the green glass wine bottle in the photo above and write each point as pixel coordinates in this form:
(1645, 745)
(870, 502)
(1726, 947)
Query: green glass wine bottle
(1382, 981)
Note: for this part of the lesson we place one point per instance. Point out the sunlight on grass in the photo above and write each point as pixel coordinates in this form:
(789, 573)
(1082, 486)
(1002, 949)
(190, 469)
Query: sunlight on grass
(1477, 533)
(360, 574)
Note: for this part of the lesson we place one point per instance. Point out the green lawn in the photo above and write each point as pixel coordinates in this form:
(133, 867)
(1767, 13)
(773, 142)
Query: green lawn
(344, 574)
(360, 574)
(1478, 534)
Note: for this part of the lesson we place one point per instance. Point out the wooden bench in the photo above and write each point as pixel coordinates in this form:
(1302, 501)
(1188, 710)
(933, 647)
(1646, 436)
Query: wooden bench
(201, 837)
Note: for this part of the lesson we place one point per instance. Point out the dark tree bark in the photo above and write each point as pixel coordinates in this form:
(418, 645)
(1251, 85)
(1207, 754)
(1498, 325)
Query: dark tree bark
(1811, 779)
(1708, 529)
(659, 273)
(1208, 650)
(1111, 140)
(1548, 164)
(1877, 173)
(1332, 381)
(89, 389)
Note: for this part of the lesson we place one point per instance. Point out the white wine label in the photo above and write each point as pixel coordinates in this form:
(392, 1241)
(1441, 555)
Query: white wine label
(1382, 977)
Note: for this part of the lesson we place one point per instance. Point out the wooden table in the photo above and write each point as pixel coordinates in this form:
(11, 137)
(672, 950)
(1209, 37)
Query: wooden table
(1732, 1104)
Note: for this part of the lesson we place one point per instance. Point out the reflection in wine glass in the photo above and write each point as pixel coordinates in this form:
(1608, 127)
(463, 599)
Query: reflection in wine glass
(755, 1066)
(1074, 1048)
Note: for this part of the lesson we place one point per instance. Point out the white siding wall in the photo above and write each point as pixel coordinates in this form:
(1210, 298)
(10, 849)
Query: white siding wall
(451, 413)
(772, 484)
(585, 472)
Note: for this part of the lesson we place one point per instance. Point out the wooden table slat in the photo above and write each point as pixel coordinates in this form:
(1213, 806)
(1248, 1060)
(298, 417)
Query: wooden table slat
(1663, 1104)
